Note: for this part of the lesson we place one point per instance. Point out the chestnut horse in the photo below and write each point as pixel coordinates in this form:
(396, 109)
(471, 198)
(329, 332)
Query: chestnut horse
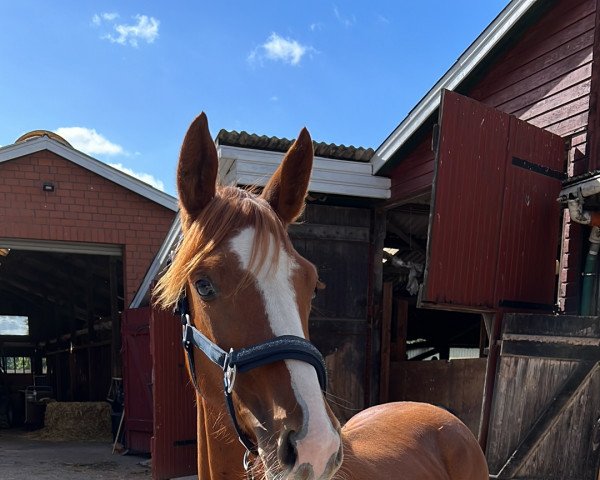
(244, 295)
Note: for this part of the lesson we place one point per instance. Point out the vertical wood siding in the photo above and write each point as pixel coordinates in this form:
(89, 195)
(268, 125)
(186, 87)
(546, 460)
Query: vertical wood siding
(492, 236)
(174, 443)
(137, 379)
(545, 79)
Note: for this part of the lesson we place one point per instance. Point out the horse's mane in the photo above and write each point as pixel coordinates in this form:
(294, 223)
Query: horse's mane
(231, 210)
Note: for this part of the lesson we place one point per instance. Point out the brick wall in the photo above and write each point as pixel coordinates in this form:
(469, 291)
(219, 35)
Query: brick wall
(84, 207)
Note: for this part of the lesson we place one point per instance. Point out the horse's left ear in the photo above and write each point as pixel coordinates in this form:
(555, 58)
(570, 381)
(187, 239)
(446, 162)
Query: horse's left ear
(197, 168)
(286, 190)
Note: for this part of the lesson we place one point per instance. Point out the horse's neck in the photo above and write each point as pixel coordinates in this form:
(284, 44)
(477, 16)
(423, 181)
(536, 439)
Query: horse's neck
(219, 453)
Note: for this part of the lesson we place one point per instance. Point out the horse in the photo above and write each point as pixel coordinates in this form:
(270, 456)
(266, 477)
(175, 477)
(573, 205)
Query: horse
(244, 296)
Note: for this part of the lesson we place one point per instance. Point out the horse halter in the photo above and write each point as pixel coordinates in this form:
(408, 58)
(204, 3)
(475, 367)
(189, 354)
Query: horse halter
(285, 347)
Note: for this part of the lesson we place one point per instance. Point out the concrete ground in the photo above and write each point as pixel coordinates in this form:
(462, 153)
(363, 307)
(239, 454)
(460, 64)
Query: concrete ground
(22, 457)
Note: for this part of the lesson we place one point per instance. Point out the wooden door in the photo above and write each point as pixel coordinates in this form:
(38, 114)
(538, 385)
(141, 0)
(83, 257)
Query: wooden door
(137, 379)
(174, 445)
(545, 421)
(337, 241)
(494, 221)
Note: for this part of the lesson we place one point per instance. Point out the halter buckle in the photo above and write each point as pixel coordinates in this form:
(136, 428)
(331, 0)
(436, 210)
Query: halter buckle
(229, 374)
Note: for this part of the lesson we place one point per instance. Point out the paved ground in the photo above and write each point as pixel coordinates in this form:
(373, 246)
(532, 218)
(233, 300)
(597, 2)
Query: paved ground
(24, 458)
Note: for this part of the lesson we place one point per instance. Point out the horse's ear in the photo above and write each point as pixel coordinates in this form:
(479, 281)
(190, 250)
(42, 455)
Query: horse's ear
(197, 168)
(286, 190)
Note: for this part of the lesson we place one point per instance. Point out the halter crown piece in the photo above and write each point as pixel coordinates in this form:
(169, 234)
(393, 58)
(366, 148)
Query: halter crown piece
(285, 347)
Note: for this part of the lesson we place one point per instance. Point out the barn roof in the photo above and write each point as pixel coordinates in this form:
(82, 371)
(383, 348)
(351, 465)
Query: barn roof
(481, 51)
(275, 144)
(64, 150)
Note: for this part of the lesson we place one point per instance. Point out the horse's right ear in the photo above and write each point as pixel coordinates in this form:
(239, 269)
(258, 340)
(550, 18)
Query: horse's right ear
(197, 168)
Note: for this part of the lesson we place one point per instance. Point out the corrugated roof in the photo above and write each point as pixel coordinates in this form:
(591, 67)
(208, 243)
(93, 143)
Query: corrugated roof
(275, 144)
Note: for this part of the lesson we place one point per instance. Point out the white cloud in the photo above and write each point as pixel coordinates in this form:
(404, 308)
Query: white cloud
(316, 26)
(280, 49)
(345, 21)
(89, 141)
(382, 18)
(144, 177)
(98, 18)
(143, 29)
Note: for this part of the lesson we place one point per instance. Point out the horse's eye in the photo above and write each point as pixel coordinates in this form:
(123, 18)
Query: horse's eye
(206, 289)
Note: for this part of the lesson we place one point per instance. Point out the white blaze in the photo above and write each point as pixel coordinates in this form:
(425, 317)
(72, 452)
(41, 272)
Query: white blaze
(319, 441)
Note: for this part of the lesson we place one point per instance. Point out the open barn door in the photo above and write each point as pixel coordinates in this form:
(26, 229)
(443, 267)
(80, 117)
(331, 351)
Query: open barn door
(494, 221)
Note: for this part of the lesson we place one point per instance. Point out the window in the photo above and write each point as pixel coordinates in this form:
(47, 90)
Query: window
(16, 364)
(14, 325)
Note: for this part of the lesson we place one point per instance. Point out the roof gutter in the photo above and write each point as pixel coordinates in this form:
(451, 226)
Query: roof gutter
(465, 64)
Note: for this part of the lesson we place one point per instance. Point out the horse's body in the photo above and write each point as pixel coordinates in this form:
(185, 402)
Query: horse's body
(247, 290)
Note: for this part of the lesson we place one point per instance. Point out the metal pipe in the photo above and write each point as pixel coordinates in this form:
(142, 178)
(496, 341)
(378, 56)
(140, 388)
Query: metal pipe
(589, 272)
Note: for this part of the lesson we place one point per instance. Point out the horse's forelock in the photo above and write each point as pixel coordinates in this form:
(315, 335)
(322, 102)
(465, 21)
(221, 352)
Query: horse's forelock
(231, 210)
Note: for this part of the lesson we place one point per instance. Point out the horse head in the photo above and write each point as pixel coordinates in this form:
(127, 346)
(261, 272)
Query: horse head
(246, 285)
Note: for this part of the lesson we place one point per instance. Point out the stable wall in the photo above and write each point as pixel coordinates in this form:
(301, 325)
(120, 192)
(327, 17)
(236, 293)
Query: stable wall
(85, 207)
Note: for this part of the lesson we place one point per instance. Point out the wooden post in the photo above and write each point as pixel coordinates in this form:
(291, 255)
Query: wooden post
(490, 379)
(399, 352)
(115, 319)
(378, 229)
(90, 328)
(386, 338)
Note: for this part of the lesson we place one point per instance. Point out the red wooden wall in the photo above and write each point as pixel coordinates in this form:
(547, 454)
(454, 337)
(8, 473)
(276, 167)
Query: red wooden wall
(543, 78)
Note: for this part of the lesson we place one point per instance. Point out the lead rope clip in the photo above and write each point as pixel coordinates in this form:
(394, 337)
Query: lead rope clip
(247, 466)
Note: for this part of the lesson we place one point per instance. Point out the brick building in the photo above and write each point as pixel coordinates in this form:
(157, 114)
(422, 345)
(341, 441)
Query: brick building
(76, 238)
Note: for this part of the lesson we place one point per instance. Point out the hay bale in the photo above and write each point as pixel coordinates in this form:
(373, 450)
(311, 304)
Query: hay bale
(77, 421)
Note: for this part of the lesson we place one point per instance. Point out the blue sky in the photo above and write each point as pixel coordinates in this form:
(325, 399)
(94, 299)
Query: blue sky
(123, 80)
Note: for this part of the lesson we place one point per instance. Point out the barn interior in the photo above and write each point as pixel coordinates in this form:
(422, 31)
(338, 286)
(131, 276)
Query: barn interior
(419, 336)
(59, 326)
(429, 334)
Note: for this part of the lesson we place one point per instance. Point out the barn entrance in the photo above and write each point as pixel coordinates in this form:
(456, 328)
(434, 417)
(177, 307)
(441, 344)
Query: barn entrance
(60, 307)
(481, 242)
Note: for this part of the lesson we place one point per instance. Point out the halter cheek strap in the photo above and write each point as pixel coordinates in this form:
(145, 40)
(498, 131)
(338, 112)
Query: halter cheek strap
(285, 347)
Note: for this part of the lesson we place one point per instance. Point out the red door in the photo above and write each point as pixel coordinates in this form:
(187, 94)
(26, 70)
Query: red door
(494, 222)
(137, 379)
(174, 446)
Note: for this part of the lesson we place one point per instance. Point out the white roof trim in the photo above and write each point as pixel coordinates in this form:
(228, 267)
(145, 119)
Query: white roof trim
(247, 166)
(465, 64)
(28, 147)
(142, 296)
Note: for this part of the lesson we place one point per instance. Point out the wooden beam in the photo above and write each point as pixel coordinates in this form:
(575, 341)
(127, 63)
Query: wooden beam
(386, 338)
(413, 243)
(490, 379)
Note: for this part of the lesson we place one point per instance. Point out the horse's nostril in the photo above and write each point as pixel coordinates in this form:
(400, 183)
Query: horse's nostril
(286, 451)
